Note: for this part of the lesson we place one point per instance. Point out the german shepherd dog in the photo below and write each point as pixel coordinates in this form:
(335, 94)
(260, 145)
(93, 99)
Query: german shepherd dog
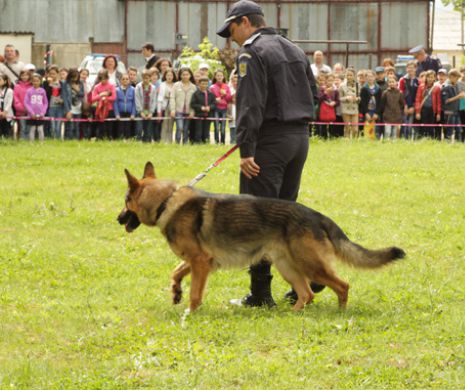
(210, 231)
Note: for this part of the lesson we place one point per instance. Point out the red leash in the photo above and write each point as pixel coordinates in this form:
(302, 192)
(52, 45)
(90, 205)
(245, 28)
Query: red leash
(200, 176)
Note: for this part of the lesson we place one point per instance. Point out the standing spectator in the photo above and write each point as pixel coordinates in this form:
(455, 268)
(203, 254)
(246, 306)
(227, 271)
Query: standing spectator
(390, 71)
(36, 104)
(148, 51)
(391, 108)
(223, 96)
(12, 66)
(232, 107)
(85, 127)
(163, 105)
(442, 77)
(6, 106)
(203, 103)
(146, 103)
(349, 98)
(361, 81)
(19, 93)
(370, 99)
(162, 65)
(328, 98)
(451, 96)
(125, 108)
(204, 68)
(461, 84)
(110, 63)
(428, 105)
(338, 128)
(424, 61)
(361, 78)
(86, 104)
(104, 95)
(54, 89)
(180, 101)
(318, 65)
(73, 100)
(408, 86)
(338, 69)
(441, 83)
(156, 82)
(133, 74)
(63, 74)
(381, 78)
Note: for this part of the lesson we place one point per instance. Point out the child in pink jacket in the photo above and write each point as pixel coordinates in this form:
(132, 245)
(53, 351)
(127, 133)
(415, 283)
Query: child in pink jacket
(223, 96)
(19, 92)
(36, 104)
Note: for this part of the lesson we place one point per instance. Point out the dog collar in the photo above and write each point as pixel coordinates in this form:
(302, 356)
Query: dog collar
(161, 209)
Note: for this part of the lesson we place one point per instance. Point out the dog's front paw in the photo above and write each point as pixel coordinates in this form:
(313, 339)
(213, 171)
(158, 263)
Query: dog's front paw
(177, 294)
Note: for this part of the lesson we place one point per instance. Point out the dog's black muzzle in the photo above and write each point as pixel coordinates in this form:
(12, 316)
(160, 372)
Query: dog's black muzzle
(129, 219)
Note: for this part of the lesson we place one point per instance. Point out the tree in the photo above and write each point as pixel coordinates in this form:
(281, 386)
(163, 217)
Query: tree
(207, 54)
(457, 4)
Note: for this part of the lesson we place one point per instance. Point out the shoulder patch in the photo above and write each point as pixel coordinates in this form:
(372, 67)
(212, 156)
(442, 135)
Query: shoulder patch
(242, 68)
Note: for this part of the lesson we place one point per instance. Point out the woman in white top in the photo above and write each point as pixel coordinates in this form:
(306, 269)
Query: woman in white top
(110, 63)
(163, 105)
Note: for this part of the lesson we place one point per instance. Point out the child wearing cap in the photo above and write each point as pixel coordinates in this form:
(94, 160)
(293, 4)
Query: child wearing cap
(451, 96)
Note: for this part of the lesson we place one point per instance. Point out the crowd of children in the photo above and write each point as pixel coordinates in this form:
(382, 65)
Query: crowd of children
(159, 105)
(382, 105)
(180, 106)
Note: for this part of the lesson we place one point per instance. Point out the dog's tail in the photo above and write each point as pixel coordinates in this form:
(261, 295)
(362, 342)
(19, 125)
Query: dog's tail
(355, 254)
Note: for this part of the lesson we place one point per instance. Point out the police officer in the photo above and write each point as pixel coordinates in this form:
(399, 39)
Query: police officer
(274, 103)
(424, 61)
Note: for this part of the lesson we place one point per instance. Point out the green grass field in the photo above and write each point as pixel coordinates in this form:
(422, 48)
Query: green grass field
(85, 305)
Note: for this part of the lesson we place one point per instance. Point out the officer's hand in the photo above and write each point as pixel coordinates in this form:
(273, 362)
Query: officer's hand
(249, 168)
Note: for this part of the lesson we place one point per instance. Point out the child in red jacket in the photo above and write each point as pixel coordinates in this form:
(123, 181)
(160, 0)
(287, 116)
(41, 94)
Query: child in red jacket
(103, 96)
(223, 96)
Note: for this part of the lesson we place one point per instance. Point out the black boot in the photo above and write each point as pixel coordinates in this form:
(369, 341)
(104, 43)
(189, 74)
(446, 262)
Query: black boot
(260, 287)
(291, 295)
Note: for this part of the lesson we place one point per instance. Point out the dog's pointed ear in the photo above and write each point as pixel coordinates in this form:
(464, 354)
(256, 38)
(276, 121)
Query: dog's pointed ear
(149, 170)
(132, 181)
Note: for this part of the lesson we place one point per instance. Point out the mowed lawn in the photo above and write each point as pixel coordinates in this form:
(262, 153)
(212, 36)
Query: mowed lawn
(85, 305)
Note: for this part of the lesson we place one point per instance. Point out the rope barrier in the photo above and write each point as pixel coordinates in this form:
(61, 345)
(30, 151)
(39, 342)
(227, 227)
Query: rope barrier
(156, 118)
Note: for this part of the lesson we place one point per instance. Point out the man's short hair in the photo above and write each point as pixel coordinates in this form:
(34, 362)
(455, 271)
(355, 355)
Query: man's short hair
(256, 20)
(412, 63)
(133, 68)
(149, 46)
(203, 78)
(454, 72)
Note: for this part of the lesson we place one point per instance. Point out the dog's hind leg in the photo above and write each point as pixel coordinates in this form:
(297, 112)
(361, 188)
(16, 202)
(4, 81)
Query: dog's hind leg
(299, 283)
(329, 278)
(200, 268)
(177, 276)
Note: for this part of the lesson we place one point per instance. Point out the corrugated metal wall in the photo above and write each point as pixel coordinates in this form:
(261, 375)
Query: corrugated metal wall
(386, 25)
(63, 21)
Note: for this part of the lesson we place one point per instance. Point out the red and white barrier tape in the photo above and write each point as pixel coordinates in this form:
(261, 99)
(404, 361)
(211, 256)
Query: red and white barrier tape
(156, 118)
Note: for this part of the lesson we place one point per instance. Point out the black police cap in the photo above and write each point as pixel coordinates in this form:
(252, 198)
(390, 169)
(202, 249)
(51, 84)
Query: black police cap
(240, 8)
